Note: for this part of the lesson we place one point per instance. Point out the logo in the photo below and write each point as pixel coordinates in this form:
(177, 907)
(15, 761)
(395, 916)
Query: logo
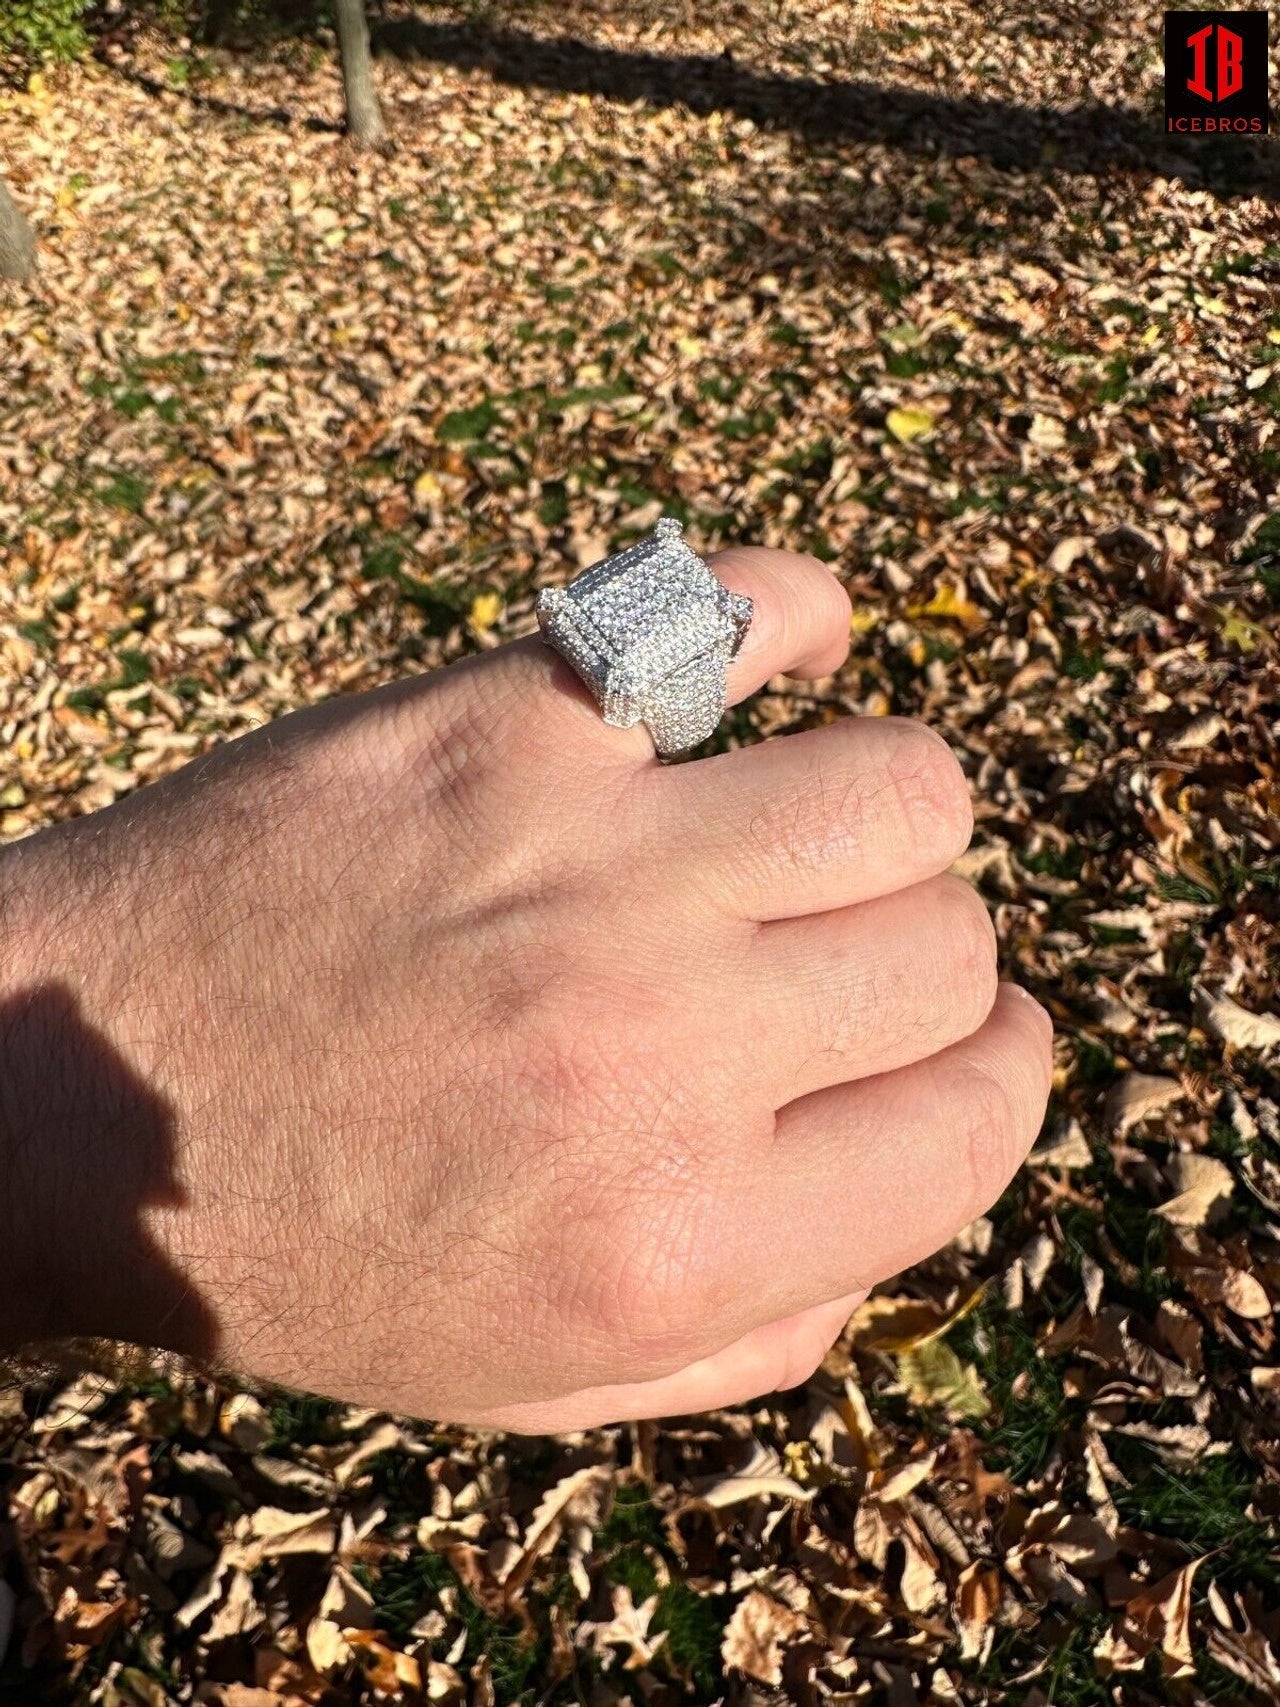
(1215, 72)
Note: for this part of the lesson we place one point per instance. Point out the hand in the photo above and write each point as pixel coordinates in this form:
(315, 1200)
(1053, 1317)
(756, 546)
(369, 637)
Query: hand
(440, 1049)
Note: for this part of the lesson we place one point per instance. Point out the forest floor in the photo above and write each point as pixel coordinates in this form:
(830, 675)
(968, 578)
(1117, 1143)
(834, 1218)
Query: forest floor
(926, 290)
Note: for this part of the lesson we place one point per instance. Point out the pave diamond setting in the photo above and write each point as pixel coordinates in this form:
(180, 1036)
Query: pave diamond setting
(651, 632)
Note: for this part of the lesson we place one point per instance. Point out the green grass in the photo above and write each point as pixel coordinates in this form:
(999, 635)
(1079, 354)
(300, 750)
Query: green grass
(694, 1623)
(1232, 876)
(39, 634)
(123, 491)
(1173, 886)
(300, 1419)
(1117, 382)
(1028, 1402)
(1066, 864)
(1203, 1509)
(1068, 1674)
(466, 426)
(404, 1589)
(135, 668)
(1139, 1236)
(1082, 664)
(443, 606)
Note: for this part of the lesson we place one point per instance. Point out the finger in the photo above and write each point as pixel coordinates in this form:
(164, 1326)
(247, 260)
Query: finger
(799, 625)
(822, 819)
(836, 996)
(865, 1179)
(800, 621)
(771, 1358)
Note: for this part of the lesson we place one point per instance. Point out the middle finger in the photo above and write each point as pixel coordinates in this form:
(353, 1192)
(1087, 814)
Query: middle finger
(808, 822)
(836, 996)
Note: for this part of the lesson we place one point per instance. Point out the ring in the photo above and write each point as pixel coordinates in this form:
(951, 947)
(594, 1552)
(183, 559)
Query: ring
(651, 632)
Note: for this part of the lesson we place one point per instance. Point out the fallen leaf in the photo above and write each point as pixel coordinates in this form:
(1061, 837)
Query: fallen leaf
(756, 1636)
(951, 604)
(628, 1629)
(486, 608)
(386, 1669)
(1229, 1023)
(977, 1600)
(270, 1533)
(1138, 1095)
(1203, 1183)
(1158, 1618)
(244, 1421)
(908, 423)
(934, 1376)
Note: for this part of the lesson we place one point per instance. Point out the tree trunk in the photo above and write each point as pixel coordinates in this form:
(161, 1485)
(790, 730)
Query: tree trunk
(17, 245)
(364, 115)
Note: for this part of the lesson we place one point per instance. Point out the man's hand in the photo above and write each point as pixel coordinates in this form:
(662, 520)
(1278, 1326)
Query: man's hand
(441, 1049)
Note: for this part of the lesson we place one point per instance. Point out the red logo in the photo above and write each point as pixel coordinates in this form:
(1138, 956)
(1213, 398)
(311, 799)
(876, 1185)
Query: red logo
(1215, 73)
(1227, 63)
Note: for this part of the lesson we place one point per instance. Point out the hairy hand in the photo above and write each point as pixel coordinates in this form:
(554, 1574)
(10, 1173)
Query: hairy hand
(439, 1048)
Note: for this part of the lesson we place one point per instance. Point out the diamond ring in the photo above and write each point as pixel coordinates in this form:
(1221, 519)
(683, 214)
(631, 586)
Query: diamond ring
(651, 632)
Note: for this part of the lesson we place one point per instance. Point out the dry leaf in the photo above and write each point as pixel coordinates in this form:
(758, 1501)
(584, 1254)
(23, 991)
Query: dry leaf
(977, 1600)
(908, 423)
(756, 1635)
(1233, 1025)
(270, 1533)
(244, 1421)
(387, 1669)
(579, 1502)
(1158, 1618)
(485, 610)
(951, 604)
(1138, 1095)
(627, 1629)
(345, 1604)
(1203, 1182)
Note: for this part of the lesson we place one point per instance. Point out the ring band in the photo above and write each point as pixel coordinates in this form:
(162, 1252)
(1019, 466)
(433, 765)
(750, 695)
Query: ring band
(651, 631)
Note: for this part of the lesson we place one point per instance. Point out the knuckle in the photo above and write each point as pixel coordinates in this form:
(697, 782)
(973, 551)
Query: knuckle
(639, 1286)
(931, 787)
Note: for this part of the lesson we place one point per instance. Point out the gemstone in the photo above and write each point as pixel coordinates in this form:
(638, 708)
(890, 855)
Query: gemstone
(651, 632)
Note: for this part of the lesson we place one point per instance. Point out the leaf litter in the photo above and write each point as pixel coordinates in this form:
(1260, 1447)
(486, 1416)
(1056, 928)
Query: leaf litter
(280, 422)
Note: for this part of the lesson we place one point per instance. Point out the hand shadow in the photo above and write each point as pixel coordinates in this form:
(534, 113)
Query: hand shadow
(86, 1147)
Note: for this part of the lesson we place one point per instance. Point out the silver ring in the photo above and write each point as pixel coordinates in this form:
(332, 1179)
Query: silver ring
(651, 632)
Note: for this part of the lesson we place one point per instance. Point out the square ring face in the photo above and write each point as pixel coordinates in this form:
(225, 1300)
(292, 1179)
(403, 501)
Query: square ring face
(637, 618)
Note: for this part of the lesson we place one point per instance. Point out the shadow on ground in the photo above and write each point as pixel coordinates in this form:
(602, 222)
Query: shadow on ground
(1093, 137)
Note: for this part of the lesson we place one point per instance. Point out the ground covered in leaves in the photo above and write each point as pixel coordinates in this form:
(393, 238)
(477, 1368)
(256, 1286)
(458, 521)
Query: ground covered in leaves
(928, 291)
